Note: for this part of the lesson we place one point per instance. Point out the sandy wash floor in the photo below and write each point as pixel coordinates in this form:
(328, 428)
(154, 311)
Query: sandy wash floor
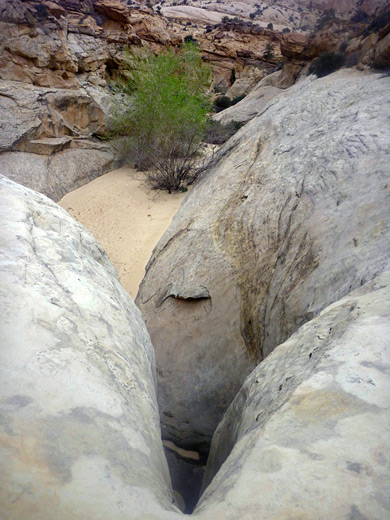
(126, 217)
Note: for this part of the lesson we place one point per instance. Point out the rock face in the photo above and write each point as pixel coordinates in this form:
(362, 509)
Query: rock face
(254, 103)
(308, 432)
(80, 435)
(55, 60)
(46, 138)
(292, 217)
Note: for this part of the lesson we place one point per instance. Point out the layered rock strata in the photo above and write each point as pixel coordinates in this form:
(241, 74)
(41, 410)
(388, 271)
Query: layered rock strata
(56, 59)
(80, 435)
(292, 217)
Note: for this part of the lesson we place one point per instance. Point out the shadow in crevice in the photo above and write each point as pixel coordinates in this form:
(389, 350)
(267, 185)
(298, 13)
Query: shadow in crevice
(187, 470)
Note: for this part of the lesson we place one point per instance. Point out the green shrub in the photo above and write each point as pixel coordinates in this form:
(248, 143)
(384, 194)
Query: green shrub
(233, 76)
(327, 63)
(163, 112)
(270, 26)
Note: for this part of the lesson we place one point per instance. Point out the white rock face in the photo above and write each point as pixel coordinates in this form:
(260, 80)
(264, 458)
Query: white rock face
(79, 429)
(309, 431)
(294, 215)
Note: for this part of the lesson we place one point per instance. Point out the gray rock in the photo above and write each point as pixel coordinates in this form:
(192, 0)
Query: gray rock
(56, 174)
(47, 138)
(254, 103)
(293, 216)
(308, 432)
(79, 426)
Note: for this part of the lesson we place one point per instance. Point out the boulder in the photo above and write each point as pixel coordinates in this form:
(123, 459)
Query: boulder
(114, 9)
(47, 138)
(80, 435)
(292, 45)
(382, 52)
(307, 435)
(254, 103)
(293, 215)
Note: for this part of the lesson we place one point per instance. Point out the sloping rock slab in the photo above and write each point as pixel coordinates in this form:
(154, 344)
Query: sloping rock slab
(56, 174)
(79, 429)
(293, 216)
(309, 430)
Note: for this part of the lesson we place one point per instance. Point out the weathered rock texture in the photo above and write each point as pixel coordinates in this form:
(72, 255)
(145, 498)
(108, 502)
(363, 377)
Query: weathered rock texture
(254, 103)
(292, 217)
(308, 432)
(56, 59)
(79, 434)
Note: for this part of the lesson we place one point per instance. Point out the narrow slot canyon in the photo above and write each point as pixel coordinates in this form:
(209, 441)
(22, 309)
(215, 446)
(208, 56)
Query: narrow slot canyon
(222, 353)
(128, 218)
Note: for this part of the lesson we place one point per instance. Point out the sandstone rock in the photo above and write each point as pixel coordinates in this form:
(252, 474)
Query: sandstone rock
(293, 45)
(254, 103)
(307, 435)
(292, 217)
(113, 9)
(382, 52)
(80, 436)
(54, 9)
(57, 172)
(54, 127)
(91, 53)
(249, 78)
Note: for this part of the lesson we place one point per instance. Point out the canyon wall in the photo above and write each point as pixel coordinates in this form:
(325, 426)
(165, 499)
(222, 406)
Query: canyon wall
(292, 217)
(307, 435)
(80, 434)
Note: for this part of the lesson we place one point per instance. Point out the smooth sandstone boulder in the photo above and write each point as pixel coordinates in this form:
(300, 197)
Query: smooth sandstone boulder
(79, 430)
(308, 433)
(293, 216)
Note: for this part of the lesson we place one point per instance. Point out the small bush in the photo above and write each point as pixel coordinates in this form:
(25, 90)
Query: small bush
(225, 19)
(378, 23)
(232, 76)
(269, 52)
(270, 26)
(343, 46)
(189, 39)
(327, 63)
(222, 102)
(162, 113)
(325, 17)
(360, 16)
(217, 133)
(286, 30)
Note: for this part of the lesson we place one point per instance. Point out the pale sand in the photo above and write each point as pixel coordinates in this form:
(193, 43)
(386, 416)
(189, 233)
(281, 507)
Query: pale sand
(126, 217)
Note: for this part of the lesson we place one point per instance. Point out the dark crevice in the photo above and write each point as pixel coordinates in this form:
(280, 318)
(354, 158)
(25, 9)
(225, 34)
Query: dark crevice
(187, 469)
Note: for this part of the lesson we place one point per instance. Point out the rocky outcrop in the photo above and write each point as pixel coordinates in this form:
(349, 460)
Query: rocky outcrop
(307, 435)
(254, 103)
(292, 217)
(80, 435)
(293, 45)
(54, 63)
(49, 137)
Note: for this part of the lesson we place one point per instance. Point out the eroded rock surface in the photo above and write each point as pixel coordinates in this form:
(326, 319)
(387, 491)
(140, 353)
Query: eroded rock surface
(309, 429)
(80, 435)
(293, 216)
